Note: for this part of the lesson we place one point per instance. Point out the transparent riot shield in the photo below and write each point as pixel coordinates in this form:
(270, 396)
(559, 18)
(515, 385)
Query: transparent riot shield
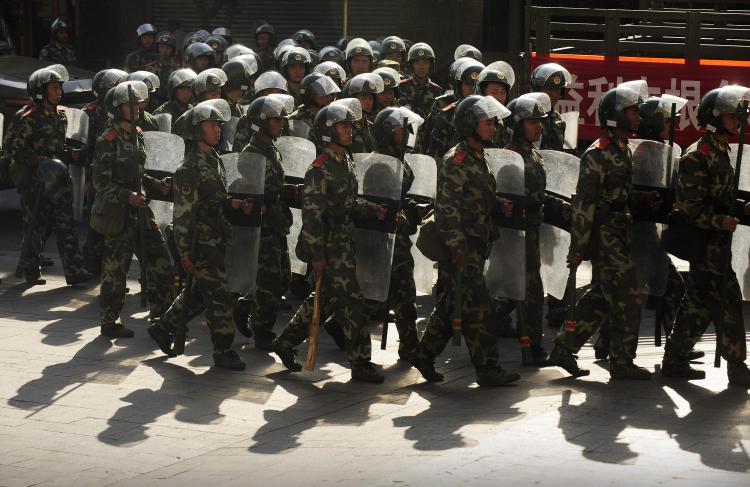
(296, 156)
(246, 175)
(164, 121)
(379, 179)
(164, 153)
(228, 131)
(741, 237)
(571, 129)
(77, 137)
(299, 128)
(423, 189)
(505, 271)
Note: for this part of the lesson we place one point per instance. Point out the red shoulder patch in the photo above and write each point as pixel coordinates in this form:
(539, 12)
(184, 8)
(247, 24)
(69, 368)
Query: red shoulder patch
(91, 106)
(111, 135)
(149, 63)
(318, 163)
(705, 149)
(602, 142)
(459, 157)
(448, 108)
(28, 112)
(138, 130)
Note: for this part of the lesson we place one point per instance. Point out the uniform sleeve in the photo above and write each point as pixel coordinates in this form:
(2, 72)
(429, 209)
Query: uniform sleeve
(692, 190)
(590, 180)
(185, 202)
(18, 142)
(105, 159)
(314, 205)
(439, 135)
(451, 181)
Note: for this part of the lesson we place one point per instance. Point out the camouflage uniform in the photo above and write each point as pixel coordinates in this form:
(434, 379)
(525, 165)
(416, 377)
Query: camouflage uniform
(599, 231)
(463, 214)
(35, 134)
(537, 204)
(703, 196)
(139, 60)
(274, 271)
(329, 204)
(244, 133)
(553, 137)
(147, 122)
(418, 98)
(425, 132)
(117, 165)
(163, 69)
(443, 133)
(200, 185)
(173, 108)
(57, 52)
(362, 138)
(267, 62)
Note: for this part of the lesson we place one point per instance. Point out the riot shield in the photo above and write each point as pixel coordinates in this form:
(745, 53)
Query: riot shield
(571, 129)
(379, 180)
(423, 189)
(228, 131)
(296, 156)
(299, 128)
(2, 127)
(505, 270)
(164, 153)
(164, 121)
(554, 236)
(78, 125)
(741, 237)
(652, 163)
(246, 176)
(77, 137)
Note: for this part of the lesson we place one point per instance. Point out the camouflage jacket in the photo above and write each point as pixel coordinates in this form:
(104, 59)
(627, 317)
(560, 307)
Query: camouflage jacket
(535, 180)
(173, 108)
(407, 222)
(443, 133)
(58, 53)
(163, 69)
(465, 200)
(418, 98)
(603, 192)
(117, 164)
(302, 123)
(99, 121)
(140, 59)
(148, 123)
(36, 133)
(553, 136)
(276, 218)
(362, 138)
(329, 204)
(267, 62)
(244, 133)
(705, 186)
(200, 185)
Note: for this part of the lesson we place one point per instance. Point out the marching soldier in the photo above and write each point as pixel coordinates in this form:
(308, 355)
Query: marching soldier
(166, 64)
(496, 80)
(394, 50)
(328, 205)
(294, 66)
(120, 212)
(267, 83)
(599, 231)
(201, 234)
(704, 191)
(390, 95)
(146, 121)
(358, 56)
(240, 72)
(317, 91)
(265, 39)
(418, 93)
(35, 144)
(179, 92)
(146, 54)
(267, 114)
(59, 50)
(464, 214)
(199, 56)
(364, 87)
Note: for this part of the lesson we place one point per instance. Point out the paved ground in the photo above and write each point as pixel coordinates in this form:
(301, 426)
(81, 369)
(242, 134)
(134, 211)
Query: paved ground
(76, 409)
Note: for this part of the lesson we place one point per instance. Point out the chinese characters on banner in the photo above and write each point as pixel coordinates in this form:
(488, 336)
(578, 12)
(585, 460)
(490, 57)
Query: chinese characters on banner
(594, 75)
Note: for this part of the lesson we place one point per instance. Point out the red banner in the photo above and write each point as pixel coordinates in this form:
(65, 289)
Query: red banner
(595, 75)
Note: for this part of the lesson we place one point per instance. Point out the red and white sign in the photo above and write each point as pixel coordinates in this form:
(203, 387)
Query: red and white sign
(595, 75)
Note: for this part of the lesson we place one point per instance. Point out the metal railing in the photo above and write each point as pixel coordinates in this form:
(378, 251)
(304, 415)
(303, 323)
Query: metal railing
(690, 34)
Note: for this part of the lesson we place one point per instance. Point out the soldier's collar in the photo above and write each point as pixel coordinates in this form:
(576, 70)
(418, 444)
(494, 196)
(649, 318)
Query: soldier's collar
(620, 143)
(473, 152)
(522, 144)
(336, 156)
(712, 139)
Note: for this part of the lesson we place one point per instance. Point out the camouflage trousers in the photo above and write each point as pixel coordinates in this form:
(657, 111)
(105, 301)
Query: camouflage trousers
(699, 307)
(209, 294)
(49, 217)
(477, 311)
(402, 293)
(340, 296)
(531, 309)
(118, 253)
(274, 276)
(614, 297)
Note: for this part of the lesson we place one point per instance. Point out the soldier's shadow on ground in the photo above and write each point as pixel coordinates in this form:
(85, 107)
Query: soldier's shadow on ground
(333, 403)
(710, 428)
(194, 398)
(100, 360)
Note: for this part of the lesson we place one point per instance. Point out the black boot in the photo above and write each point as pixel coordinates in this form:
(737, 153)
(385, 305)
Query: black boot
(228, 359)
(287, 356)
(116, 330)
(680, 369)
(367, 372)
(242, 317)
(494, 375)
(566, 360)
(425, 367)
(162, 337)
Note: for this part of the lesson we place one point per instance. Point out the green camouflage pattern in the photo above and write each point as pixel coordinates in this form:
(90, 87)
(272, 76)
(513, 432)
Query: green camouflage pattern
(57, 52)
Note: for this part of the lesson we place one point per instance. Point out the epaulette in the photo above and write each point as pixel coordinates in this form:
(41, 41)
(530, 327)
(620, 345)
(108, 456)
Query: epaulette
(705, 149)
(602, 142)
(149, 64)
(405, 80)
(434, 85)
(111, 135)
(91, 106)
(459, 157)
(448, 108)
(318, 163)
(29, 112)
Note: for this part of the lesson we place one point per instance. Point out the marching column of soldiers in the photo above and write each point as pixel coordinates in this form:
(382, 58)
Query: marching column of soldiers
(236, 174)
